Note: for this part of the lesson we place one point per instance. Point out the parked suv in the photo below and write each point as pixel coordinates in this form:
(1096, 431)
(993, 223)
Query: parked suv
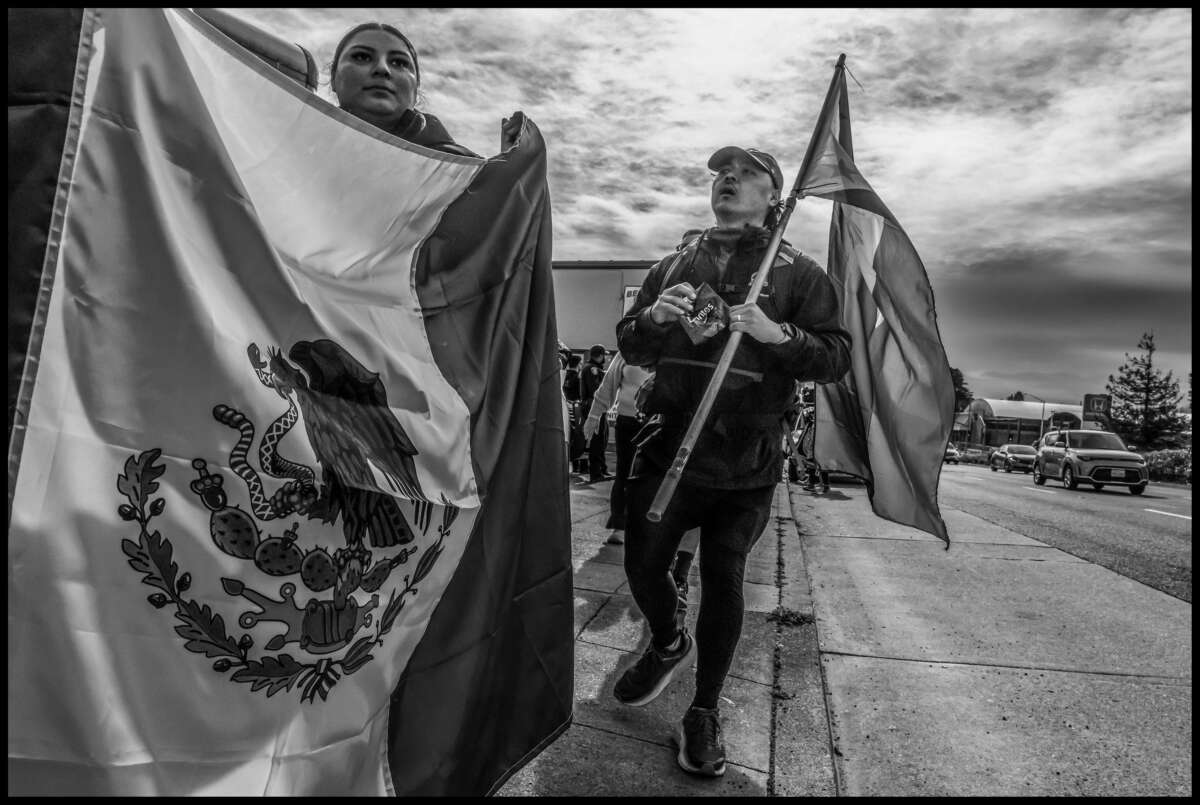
(1013, 457)
(1091, 456)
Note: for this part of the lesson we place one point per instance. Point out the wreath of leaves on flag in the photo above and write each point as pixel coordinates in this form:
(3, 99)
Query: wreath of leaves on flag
(204, 630)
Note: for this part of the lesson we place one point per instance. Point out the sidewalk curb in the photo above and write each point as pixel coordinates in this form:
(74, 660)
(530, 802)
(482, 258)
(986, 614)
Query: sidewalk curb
(802, 762)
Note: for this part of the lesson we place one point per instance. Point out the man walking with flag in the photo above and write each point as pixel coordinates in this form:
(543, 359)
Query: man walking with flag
(688, 307)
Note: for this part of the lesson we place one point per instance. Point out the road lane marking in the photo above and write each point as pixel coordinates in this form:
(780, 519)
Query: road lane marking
(1039, 489)
(1156, 511)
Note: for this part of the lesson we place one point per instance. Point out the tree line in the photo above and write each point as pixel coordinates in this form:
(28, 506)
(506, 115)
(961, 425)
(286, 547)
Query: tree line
(1145, 401)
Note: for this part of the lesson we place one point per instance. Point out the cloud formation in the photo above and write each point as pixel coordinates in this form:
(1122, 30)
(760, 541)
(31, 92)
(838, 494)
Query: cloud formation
(1039, 159)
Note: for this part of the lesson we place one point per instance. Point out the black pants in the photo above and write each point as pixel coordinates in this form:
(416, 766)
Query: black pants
(579, 462)
(627, 428)
(814, 475)
(730, 521)
(597, 462)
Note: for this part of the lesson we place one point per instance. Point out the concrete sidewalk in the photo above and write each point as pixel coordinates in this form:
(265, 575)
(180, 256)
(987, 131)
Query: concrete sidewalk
(999, 667)
(1002, 666)
(773, 709)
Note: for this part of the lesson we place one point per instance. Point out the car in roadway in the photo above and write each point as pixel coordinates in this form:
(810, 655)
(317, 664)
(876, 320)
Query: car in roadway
(1096, 457)
(952, 455)
(1011, 457)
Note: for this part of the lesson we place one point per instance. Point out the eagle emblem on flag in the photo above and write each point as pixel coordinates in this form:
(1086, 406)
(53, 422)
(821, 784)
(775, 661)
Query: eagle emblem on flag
(356, 438)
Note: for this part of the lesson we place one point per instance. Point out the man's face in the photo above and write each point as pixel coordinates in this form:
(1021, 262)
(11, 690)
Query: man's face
(742, 190)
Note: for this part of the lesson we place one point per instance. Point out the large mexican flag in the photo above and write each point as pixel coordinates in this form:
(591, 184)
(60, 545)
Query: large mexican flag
(288, 507)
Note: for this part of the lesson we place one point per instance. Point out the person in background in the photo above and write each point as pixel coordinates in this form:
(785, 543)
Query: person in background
(570, 376)
(792, 421)
(590, 377)
(570, 385)
(376, 77)
(566, 408)
(680, 568)
(793, 332)
(618, 388)
(816, 480)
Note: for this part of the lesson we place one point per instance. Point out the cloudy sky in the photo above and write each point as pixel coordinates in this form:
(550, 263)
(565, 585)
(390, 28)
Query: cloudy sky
(1040, 160)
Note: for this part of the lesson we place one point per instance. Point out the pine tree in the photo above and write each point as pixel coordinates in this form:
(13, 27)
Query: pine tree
(1144, 399)
(962, 394)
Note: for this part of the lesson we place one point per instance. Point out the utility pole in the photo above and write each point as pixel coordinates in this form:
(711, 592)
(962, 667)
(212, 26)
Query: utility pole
(1042, 424)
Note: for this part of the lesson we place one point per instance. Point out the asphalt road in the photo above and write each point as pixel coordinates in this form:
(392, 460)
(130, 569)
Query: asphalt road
(1145, 537)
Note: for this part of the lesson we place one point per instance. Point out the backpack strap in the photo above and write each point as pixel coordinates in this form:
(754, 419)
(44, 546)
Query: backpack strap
(677, 264)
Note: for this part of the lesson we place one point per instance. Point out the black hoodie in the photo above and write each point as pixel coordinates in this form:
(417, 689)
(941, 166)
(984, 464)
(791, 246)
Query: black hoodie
(741, 444)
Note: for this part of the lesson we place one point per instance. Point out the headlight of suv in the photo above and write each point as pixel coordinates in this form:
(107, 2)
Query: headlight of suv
(1141, 461)
(1085, 458)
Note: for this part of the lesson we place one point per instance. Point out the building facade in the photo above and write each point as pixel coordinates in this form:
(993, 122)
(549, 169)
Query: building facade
(591, 296)
(990, 423)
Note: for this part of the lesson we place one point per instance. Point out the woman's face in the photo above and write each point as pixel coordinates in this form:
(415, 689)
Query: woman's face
(374, 78)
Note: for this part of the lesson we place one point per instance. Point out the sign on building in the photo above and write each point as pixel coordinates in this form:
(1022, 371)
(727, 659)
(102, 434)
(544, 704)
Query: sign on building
(631, 292)
(1096, 411)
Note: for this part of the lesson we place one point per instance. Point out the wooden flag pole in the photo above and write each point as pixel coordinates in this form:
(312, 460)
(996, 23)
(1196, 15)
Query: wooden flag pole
(666, 489)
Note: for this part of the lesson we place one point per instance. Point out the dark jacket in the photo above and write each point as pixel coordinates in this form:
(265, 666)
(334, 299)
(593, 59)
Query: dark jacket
(571, 384)
(591, 375)
(425, 129)
(741, 444)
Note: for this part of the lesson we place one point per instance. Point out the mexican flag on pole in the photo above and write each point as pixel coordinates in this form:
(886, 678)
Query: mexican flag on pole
(288, 505)
(887, 421)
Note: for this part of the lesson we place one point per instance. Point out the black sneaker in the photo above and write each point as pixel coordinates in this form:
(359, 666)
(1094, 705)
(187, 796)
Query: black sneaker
(701, 750)
(681, 605)
(642, 683)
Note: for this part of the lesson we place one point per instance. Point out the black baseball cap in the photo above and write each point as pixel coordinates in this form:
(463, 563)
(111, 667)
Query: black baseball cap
(764, 160)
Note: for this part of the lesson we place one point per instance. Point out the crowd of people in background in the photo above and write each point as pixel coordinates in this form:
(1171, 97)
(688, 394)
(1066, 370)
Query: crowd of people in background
(616, 402)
